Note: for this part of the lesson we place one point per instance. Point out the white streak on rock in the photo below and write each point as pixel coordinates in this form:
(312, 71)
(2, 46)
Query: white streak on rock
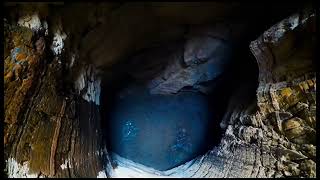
(65, 164)
(88, 79)
(33, 22)
(16, 170)
(102, 174)
(276, 32)
(58, 44)
(73, 57)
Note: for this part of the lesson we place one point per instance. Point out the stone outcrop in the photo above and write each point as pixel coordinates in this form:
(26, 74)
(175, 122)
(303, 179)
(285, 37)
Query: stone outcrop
(204, 59)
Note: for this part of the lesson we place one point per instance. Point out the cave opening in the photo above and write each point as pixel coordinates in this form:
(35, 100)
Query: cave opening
(128, 81)
(165, 130)
(137, 73)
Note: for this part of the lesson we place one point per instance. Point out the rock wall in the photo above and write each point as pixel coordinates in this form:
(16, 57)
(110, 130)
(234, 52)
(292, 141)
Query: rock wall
(50, 129)
(277, 140)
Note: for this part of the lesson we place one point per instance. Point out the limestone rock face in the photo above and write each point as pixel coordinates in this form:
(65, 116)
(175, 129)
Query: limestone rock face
(199, 49)
(52, 79)
(167, 70)
(204, 59)
(42, 135)
(293, 33)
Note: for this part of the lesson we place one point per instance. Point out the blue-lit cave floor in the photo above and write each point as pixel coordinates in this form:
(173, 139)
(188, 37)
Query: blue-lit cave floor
(159, 131)
(125, 168)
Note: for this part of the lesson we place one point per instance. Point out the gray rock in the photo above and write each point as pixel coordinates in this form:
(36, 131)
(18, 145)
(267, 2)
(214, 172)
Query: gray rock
(204, 59)
(200, 49)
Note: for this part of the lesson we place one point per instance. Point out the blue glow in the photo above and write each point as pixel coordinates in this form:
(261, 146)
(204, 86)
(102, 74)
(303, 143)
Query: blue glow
(159, 131)
(129, 131)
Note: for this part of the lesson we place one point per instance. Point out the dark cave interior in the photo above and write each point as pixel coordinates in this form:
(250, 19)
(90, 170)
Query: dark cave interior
(240, 73)
(224, 86)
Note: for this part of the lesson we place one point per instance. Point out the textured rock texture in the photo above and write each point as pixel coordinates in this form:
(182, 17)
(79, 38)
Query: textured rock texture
(52, 85)
(204, 59)
(277, 140)
(198, 60)
(47, 132)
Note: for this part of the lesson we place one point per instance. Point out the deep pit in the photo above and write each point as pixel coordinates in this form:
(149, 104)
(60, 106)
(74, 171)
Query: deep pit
(159, 131)
(164, 128)
(146, 115)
